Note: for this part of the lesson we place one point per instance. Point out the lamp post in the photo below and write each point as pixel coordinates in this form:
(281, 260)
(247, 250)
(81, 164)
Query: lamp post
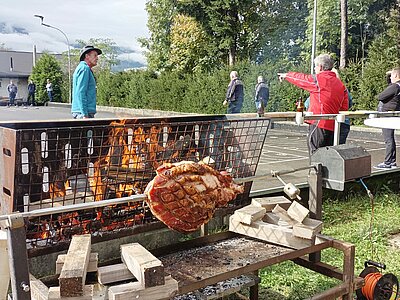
(69, 54)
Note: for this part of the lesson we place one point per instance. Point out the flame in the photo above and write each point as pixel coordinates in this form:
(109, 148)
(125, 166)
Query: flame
(95, 182)
(58, 189)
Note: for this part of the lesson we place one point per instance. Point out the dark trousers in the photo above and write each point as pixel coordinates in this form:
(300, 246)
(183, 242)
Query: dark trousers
(11, 96)
(390, 144)
(234, 107)
(344, 132)
(318, 137)
(31, 99)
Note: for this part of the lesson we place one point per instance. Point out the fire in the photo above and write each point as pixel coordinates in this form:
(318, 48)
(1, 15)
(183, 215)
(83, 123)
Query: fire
(58, 189)
(95, 182)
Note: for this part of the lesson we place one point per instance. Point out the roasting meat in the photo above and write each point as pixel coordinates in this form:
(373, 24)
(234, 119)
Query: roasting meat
(184, 195)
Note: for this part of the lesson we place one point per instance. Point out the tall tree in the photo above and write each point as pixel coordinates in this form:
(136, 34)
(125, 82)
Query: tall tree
(160, 18)
(47, 67)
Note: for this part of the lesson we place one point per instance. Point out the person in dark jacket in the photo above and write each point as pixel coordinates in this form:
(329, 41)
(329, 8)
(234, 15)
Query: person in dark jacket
(262, 96)
(12, 93)
(234, 94)
(31, 93)
(389, 100)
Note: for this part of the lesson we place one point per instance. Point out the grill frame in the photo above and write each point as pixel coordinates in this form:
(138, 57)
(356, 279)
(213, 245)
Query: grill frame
(229, 132)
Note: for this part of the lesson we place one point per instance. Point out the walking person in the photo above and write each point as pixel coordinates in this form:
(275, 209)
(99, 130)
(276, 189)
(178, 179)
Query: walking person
(328, 95)
(234, 94)
(31, 93)
(261, 96)
(12, 93)
(49, 89)
(84, 84)
(389, 100)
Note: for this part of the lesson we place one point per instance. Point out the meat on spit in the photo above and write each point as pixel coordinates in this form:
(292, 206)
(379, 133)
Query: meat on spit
(184, 195)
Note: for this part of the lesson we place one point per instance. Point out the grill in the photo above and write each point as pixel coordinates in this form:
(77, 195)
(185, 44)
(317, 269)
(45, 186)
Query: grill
(49, 164)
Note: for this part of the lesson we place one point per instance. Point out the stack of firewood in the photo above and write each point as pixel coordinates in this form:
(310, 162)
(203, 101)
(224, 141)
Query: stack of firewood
(276, 220)
(142, 274)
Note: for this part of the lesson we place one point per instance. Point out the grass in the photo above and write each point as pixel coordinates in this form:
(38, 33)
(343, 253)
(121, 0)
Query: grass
(347, 219)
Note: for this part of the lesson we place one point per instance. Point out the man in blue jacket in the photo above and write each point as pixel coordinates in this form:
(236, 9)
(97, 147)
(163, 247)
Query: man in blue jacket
(84, 84)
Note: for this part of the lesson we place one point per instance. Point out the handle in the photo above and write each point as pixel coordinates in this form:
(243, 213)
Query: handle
(375, 264)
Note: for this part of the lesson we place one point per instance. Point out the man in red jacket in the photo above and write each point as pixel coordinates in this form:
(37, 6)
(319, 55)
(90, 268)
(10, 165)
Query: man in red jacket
(327, 96)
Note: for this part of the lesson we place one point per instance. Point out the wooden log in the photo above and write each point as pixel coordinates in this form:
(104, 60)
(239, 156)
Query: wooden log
(272, 218)
(308, 229)
(283, 215)
(69, 199)
(249, 214)
(39, 291)
(113, 273)
(134, 290)
(147, 269)
(54, 294)
(270, 202)
(270, 233)
(73, 274)
(297, 211)
(92, 266)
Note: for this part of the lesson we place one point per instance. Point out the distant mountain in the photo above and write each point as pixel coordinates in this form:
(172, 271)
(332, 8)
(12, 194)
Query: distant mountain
(127, 64)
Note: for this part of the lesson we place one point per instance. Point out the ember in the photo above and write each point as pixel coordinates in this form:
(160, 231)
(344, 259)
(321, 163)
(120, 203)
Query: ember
(67, 163)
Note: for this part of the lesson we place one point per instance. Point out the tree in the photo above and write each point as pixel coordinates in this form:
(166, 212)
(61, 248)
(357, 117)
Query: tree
(188, 46)
(160, 16)
(47, 67)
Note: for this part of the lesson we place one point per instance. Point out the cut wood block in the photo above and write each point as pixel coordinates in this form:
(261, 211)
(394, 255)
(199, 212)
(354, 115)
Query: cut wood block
(134, 290)
(272, 218)
(270, 202)
(283, 215)
(54, 294)
(308, 229)
(73, 274)
(270, 233)
(39, 291)
(297, 211)
(147, 269)
(249, 214)
(92, 266)
(114, 273)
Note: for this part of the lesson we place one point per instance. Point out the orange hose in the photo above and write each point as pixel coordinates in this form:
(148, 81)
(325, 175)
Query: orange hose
(370, 282)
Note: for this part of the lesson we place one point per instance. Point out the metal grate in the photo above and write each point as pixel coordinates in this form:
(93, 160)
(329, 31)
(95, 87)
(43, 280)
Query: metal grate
(76, 162)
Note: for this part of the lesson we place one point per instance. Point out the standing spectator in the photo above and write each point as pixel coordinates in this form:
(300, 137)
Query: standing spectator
(389, 100)
(84, 84)
(49, 89)
(12, 92)
(262, 96)
(31, 93)
(327, 96)
(234, 94)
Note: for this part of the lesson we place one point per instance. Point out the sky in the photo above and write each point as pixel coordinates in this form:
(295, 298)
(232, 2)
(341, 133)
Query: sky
(123, 21)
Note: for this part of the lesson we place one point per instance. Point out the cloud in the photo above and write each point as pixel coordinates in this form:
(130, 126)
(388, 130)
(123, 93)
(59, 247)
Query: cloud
(122, 21)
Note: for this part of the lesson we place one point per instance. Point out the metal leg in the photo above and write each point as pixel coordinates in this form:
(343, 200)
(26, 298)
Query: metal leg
(254, 289)
(315, 200)
(18, 258)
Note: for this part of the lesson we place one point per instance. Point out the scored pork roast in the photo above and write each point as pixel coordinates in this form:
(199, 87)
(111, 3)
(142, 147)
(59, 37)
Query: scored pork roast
(184, 195)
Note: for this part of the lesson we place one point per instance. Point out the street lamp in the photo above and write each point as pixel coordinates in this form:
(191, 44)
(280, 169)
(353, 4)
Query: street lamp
(69, 54)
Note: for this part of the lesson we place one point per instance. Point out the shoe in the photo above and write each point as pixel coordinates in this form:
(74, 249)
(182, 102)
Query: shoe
(383, 166)
(393, 165)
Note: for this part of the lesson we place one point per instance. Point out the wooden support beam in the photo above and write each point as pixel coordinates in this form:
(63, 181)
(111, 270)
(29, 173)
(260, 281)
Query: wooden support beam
(270, 202)
(39, 291)
(54, 294)
(92, 266)
(270, 233)
(249, 214)
(134, 290)
(73, 274)
(113, 273)
(147, 268)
